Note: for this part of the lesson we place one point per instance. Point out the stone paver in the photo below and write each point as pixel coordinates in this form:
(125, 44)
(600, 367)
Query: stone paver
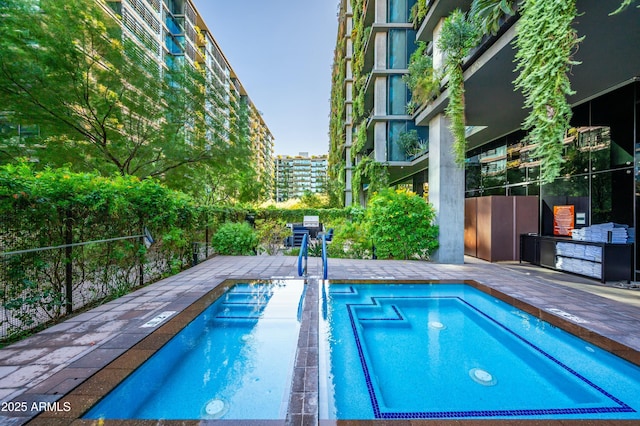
(46, 366)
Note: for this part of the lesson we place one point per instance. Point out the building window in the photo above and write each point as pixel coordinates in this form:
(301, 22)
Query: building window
(398, 10)
(396, 152)
(398, 96)
(400, 46)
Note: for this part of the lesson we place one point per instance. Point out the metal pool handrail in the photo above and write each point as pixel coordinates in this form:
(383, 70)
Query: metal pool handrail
(324, 257)
(303, 253)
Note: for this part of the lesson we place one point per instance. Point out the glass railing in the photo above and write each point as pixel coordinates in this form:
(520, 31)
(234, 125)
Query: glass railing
(175, 25)
(174, 44)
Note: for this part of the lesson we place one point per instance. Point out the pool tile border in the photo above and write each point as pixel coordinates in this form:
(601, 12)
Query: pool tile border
(92, 390)
(590, 336)
(83, 396)
(393, 415)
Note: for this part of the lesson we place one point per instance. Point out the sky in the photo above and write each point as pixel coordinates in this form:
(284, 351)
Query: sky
(282, 52)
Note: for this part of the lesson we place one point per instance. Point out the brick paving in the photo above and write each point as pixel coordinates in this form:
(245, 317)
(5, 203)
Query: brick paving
(50, 365)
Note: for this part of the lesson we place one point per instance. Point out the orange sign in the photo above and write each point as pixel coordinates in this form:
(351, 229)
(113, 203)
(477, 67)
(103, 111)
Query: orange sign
(563, 220)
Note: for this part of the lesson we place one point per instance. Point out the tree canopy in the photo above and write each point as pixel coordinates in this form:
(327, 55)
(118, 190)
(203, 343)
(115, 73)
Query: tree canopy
(101, 102)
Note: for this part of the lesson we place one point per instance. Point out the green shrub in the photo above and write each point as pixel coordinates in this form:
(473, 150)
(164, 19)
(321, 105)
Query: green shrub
(271, 234)
(400, 223)
(51, 207)
(296, 215)
(294, 251)
(236, 239)
(350, 240)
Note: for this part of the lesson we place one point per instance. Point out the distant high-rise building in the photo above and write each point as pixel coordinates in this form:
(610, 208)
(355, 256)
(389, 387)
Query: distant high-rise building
(173, 32)
(294, 175)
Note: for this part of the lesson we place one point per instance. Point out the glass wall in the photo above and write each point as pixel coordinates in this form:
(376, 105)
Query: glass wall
(399, 96)
(399, 10)
(598, 177)
(401, 44)
(396, 151)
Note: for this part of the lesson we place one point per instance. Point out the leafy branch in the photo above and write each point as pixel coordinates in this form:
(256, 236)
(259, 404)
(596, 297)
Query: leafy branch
(418, 12)
(623, 6)
(489, 13)
(545, 45)
(421, 79)
(459, 35)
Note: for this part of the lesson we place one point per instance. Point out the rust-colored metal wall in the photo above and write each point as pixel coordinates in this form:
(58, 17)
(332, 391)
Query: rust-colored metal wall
(493, 225)
(470, 235)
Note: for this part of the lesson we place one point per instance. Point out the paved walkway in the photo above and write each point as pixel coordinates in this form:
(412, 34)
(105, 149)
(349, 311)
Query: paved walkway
(48, 365)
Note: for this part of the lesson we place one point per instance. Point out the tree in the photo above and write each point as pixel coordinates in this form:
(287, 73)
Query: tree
(229, 177)
(101, 102)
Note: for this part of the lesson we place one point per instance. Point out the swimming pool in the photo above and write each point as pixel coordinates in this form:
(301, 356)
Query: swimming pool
(446, 351)
(234, 361)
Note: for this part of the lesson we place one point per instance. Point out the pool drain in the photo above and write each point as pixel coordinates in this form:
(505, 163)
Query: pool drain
(482, 377)
(214, 409)
(436, 325)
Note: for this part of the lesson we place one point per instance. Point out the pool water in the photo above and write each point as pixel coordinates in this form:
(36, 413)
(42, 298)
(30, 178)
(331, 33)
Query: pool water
(431, 351)
(234, 361)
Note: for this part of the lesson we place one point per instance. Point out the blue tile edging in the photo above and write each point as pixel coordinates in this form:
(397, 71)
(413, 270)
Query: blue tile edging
(621, 408)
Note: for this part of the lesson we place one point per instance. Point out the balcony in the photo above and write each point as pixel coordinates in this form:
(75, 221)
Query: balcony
(439, 9)
(369, 11)
(369, 86)
(175, 45)
(370, 45)
(175, 25)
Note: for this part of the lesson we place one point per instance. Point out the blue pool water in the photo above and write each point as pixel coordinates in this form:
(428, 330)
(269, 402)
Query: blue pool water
(234, 361)
(451, 351)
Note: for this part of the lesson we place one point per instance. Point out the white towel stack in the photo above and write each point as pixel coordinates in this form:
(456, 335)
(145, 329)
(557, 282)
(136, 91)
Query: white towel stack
(580, 251)
(599, 233)
(579, 266)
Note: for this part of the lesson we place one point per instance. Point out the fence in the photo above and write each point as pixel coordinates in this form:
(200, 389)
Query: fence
(43, 285)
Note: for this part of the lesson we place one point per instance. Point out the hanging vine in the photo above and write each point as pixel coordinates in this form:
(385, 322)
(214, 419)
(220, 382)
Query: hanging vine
(459, 35)
(360, 139)
(418, 12)
(374, 171)
(421, 79)
(365, 168)
(336, 160)
(545, 45)
(490, 13)
(623, 6)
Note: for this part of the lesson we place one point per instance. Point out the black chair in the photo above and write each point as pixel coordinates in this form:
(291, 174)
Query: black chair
(328, 235)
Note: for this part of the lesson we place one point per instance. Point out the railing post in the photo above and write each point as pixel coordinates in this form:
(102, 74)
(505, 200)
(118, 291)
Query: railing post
(325, 265)
(194, 254)
(68, 258)
(303, 254)
(141, 253)
(206, 238)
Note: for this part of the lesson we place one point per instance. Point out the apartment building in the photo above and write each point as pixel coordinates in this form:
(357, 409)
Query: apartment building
(600, 172)
(262, 144)
(173, 33)
(294, 175)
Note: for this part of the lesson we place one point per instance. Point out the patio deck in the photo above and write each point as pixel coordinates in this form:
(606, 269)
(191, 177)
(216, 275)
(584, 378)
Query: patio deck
(56, 364)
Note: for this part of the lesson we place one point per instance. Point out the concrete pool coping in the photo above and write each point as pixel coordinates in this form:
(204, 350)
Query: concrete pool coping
(91, 361)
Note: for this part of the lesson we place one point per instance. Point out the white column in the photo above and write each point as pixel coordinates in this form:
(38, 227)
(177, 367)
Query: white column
(446, 192)
(380, 141)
